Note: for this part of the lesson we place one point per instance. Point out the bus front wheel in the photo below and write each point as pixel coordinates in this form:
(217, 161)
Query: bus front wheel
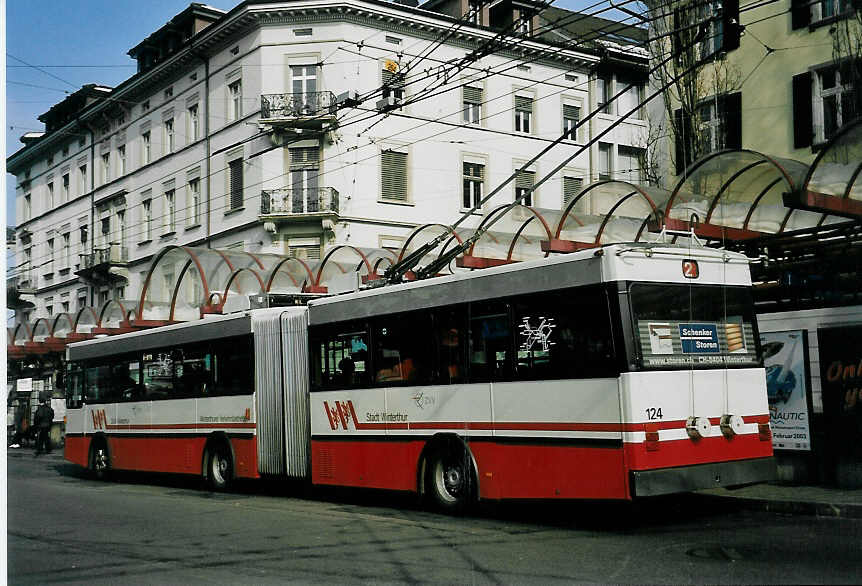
(449, 478)
(219, 467)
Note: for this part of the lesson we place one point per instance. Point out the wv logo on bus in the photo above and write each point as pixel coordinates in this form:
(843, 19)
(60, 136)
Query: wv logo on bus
(100, 421)
(340, 414)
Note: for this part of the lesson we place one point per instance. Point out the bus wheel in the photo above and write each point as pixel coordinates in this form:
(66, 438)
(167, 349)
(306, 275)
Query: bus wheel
(449, 478)
(100, 462)
(219, 467)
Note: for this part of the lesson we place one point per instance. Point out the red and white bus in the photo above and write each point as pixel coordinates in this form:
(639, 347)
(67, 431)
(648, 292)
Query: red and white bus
(614, 373)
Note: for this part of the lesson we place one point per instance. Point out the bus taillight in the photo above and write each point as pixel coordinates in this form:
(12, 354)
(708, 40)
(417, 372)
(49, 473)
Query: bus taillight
(763, 432)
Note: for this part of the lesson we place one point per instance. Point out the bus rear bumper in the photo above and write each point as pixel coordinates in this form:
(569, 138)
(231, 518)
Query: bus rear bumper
(713, 475)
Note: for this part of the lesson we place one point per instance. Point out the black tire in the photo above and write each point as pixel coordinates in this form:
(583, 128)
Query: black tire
(219, 467)
(99, 460)
(450, 479)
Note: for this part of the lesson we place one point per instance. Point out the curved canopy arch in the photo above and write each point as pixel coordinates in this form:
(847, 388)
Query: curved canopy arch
(611, 211)
(166, 276)
(63, 325)
(41, 330)
(244, 281)
(289, 275)
(22, 334)
(86, 320)
(833, 184)
(736, 194)
(338, 261)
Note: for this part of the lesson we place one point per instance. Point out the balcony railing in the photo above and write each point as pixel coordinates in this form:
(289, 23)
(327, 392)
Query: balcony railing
(299, 201)
(111, 254)
(293, 106)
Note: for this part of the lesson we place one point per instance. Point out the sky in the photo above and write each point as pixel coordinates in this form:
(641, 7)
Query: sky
(53, 47)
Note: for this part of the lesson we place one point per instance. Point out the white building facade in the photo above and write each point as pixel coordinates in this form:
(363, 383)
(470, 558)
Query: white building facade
(293, 127)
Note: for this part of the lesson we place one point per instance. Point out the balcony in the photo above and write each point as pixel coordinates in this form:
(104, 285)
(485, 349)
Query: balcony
(105, 265)
(309, 110)
(20, 290)
(299, 202)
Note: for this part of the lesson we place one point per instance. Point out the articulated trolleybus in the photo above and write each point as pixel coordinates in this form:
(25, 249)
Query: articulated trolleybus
(614, 373)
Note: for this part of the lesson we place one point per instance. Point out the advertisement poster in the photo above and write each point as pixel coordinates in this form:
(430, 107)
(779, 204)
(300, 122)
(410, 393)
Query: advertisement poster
(785, 358)
(841, 383)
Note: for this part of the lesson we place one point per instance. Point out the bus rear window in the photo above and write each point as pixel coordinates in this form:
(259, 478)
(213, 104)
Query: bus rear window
(686, 326)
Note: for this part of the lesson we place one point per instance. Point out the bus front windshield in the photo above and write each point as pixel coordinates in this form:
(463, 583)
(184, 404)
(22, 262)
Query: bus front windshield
(693, 326)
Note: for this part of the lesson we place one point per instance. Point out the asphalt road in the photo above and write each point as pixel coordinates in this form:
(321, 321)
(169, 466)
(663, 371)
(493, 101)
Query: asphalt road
(66, 528)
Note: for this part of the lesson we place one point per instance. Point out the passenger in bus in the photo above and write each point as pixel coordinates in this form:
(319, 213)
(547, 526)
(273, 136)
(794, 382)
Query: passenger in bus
(347, 368)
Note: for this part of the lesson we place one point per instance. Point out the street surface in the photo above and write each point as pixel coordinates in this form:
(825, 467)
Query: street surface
(65, 528)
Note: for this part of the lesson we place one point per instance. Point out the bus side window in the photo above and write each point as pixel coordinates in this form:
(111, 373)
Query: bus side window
(75, 387)
(234, 366)
(450, 337)
(340, 357)
(400, 355)
(490, 342)
(98, 383)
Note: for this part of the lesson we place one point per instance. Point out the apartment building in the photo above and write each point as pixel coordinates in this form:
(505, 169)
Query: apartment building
(292, 127)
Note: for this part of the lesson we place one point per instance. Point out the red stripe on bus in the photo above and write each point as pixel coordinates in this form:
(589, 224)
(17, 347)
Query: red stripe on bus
(155, 426)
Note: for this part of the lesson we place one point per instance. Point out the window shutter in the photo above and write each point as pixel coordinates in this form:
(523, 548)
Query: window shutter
(730, 25)
(474, 170)
(524, 179)
(571, 112)
(523, 103)
(394, 176)
(803, 124)
(304, 157)
(571, 187)
(235, 184)
(305, 251)
(732, 106)
(472, 95)
(800, 14)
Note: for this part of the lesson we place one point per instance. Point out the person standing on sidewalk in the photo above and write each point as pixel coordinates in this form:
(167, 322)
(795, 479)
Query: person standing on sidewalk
(43, 420)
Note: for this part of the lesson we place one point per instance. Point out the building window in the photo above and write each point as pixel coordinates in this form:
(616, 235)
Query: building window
(169, 92)
(604, 163)
(474, 177)
(523, 113)
(474, 12)
(571, 188)
(146, 148)
(194, 123)
(28, 207)
(67, 250)
(65, 306)
(49, 306)
(65, 151)
(823, 9)
(304, 86)
(49, 196)
(472, 104)
(64, 194)
(304, 173)
(571, 116)
(833, 99)
(122, 233)
(147, 220)
(604, 93)
(234, 90)
(524, 182)
(170, 212)
(393, 182)
(169, 135)
(524, 25)
(194, 202)
(106, 168)
(121, 156)
(393, 86)
(145, 106)
(82, 179)
(630, 99)
(629, 164)
(50, 255)
(235, 184)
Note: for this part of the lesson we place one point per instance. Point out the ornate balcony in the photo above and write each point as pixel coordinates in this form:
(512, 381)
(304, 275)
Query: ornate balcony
(105, 265)
(279, 203)
(306, 110)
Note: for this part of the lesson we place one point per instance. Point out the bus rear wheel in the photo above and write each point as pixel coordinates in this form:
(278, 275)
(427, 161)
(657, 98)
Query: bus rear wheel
(100, 462)
(219, 467)
(450, 479)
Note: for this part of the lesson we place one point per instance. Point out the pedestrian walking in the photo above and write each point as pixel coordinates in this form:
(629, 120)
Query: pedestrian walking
(43, 420)
(21, 425)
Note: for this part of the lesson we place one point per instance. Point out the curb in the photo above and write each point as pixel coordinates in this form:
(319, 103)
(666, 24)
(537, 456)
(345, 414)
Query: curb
(809, 508)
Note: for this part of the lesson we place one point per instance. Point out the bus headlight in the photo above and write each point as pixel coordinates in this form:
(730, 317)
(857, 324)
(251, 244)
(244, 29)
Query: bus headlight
(731, 425)
(697, 427)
